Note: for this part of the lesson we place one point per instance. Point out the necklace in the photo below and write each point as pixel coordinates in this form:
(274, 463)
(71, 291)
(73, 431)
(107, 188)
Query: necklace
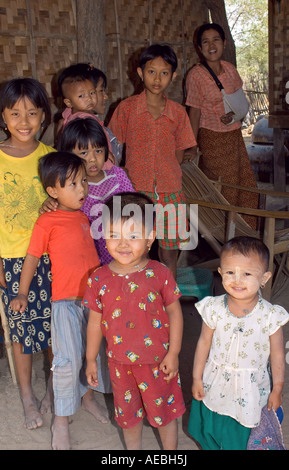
(244, 311)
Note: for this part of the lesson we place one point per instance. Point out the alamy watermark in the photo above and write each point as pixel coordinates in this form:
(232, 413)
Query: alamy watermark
(171, 222)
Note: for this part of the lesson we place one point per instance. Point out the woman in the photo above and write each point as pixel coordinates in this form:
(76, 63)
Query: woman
(219, 138)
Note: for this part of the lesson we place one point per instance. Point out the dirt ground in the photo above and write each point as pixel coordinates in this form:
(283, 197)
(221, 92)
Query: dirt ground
(85, 432)
(88, 434)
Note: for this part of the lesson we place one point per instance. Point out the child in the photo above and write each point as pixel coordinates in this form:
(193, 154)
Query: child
(134, 303)
(156, 132)
(231, 383)
(77, 86)
(65, 235)
(100, 83)
(86, 138)
(24, 109)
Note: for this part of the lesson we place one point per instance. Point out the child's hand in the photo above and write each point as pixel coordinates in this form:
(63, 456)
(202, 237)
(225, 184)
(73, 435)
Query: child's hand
(170, 366)
(2, 275)
(198, 390)
(91, 373)
(274, 400)
(50, 204)
(19, 304)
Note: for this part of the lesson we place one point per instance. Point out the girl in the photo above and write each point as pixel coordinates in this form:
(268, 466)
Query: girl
(231, 383)
(134, 303)
(218, 138)
(86, 138)
(24, 109)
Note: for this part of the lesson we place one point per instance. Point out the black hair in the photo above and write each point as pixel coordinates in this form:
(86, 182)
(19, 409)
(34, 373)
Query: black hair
(58, 166)
(247, 245)
(19, 88)
(159, 50)
(80, 132)
(96, 75)
(206, 27)
(124, 205)
(74, 73)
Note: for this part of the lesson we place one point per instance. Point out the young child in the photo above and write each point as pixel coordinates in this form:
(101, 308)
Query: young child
(86, 138)
(65, 235)
(156, 132)
(240, 332)
(24, 109)
(100, 83)
(134, 304)
(77, 87)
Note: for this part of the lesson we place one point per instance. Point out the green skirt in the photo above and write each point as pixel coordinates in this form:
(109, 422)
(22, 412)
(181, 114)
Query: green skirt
(214, 431)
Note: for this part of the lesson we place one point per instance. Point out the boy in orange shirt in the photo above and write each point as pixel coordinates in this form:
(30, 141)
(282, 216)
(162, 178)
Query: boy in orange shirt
(156, 132)
(65, 235)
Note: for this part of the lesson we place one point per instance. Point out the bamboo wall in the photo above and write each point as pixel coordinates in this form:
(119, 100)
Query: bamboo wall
(278, 63)
(38, 38)
(134, 25)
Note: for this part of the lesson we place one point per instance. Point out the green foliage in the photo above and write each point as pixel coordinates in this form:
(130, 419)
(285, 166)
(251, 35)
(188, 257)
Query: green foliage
(248, 21)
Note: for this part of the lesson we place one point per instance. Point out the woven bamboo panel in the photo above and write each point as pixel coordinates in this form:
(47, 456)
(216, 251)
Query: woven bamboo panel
(141, 23)
(37, 39)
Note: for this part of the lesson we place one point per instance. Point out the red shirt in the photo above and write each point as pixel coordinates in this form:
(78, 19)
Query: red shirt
(134, 320)
(151, 143)
(65, 236)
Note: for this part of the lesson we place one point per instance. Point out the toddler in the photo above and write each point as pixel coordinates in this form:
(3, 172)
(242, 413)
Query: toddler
(134, 304)
(240, 332)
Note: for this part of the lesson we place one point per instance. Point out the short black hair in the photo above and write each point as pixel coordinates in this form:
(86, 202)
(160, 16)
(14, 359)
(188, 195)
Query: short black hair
(247, 245)
(206, 27)
(80, 132)
(96, 75)
(58, 166)
(164, 51)
(19, 88)
(125, 205)
(74, 73)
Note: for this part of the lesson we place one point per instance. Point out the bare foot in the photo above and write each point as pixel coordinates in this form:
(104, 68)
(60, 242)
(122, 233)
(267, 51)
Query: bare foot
(33, 418)
(60, 433)
(91, 406)
(47, 404)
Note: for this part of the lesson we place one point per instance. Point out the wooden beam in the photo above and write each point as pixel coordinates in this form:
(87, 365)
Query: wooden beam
(90, 23)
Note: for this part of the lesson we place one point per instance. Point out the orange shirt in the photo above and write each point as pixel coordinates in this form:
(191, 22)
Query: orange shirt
(151, 143)
(203, 93)
(65, 236)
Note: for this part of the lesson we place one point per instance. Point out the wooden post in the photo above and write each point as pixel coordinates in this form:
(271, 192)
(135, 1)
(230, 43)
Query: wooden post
(279, 160)
(91, 44)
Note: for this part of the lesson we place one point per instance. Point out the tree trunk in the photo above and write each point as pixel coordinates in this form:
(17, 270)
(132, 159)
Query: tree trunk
(91, 44)
(218, 15)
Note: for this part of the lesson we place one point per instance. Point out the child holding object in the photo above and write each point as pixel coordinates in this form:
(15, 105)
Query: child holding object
(240, 332)
(134, 304)
(65, 235)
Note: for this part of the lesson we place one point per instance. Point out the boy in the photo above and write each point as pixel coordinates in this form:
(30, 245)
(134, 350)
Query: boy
(156, 132)
(65, 235)
(134, 303)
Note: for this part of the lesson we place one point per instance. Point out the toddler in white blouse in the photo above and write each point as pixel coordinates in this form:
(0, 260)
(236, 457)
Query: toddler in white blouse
(241, 331)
